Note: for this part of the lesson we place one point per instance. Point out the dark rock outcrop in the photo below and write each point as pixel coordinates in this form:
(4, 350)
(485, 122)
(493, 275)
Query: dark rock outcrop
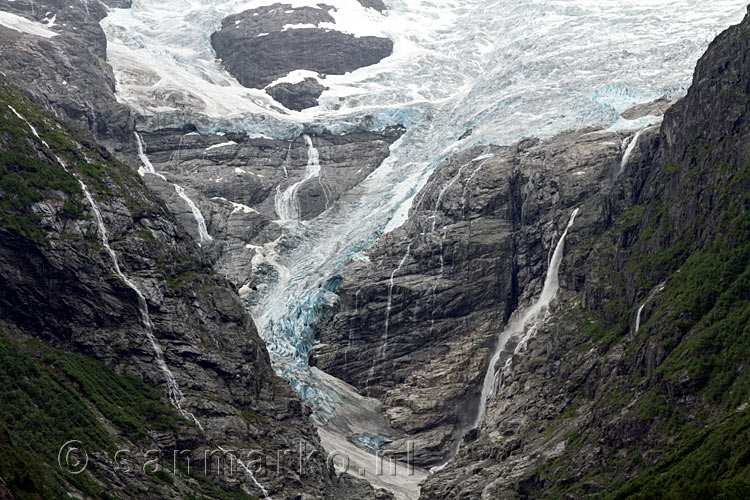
(235, 181)
(633, 383)
(68, 73)
(631, 377)
(417, 321)
(60, 286)
(297, 96)
(257, 50)
(378, 5)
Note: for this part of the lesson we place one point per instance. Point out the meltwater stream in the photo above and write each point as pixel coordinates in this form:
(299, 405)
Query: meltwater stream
(286, 203)
(173, 390)
(148, 167)
(504, 69)
(522, 323)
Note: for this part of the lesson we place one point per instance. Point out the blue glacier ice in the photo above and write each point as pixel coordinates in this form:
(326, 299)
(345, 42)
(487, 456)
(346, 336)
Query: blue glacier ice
(507, 69)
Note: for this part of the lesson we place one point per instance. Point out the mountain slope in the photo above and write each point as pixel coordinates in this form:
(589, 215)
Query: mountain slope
(634, 386)
(190, 338)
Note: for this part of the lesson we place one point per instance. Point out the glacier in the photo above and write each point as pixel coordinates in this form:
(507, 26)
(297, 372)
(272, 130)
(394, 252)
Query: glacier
(504, 69)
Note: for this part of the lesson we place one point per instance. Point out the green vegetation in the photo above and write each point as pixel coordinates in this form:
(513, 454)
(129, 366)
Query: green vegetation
(125, 401)
(682, 379)
(713, 460)
(27, 178)
(48, 398)
(51, 396)
(30, 172)
(38, 413)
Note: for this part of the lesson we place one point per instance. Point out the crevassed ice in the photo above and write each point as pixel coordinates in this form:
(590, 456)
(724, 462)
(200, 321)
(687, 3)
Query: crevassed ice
(506, 69)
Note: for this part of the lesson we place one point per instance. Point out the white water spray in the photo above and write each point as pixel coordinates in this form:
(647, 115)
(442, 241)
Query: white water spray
(148, 167)
(287, 203)
(202, 230)
(630, 149)
(173, 390)
(517, 325)
(638, 317)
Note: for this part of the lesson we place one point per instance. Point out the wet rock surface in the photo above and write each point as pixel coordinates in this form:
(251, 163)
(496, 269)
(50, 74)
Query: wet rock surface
(196, 314)
(575, 410)
(415, 324)
(418, 320)
(236, 180)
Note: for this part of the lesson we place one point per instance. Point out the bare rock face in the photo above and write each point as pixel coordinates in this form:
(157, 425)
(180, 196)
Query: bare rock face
(63, 287)
(417, 322)
(378, 5)
(297, 96)
(604, 397)
(68, 73)
(257, 49)
(237, 181)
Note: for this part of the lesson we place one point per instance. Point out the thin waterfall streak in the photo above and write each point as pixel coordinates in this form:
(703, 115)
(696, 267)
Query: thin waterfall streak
(174, 393)
(147, 166)
(437, 279)
(471, 177)
(250, 473)
(197, 215)
(515, 326)
(630, 149)
(445, 228)
(389, 304)
(638, 317)
(286, 160)
(177, 154)
(287, 203)
(351, 328)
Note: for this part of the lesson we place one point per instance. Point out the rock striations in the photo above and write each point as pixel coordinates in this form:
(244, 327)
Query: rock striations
(190, 337)
(559, 318)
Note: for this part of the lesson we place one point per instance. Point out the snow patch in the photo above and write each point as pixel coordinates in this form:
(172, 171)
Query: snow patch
(23, 25)
(222, 145)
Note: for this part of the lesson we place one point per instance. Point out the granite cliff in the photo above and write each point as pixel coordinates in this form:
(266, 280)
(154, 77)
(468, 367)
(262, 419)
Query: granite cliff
(128, 339)
(557, 318)
(630, 383)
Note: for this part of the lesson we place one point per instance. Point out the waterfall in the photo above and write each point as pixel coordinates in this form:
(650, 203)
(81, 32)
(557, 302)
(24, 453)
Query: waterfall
(173, 390)
(287, 203)
(202, 230)
(638, 317)
(147, 166)
(286, 160)
(517, 325)
(389, 304)
(629, 150)
(351, 328)
(33, 130)
(483, 158)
